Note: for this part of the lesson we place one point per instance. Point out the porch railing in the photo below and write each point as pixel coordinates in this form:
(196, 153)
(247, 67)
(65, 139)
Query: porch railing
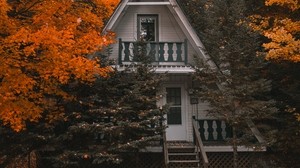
(214, 130)
(160, 52)
(199, 144)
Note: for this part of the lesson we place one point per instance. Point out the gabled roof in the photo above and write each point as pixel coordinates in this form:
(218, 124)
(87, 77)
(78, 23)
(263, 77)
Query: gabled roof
(178, 15)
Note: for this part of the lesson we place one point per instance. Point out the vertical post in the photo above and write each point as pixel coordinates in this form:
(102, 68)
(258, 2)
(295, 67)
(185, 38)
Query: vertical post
(185, 52)
(120, 51)
(194, 133)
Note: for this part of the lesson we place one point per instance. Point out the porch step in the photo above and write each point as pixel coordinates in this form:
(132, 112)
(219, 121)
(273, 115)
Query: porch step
(184, 161)
(182, 155)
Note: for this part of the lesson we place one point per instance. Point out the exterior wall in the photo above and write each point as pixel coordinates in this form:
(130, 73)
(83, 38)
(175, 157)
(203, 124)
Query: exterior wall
(199, 110)
(169, 30)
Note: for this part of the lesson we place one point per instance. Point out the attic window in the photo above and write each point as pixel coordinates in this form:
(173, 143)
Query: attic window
(147, 27)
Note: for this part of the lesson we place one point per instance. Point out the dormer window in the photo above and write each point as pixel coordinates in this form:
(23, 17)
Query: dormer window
(147, 27)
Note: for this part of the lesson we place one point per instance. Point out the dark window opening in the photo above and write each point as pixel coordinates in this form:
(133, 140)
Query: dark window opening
(174, 100)
(147, 27)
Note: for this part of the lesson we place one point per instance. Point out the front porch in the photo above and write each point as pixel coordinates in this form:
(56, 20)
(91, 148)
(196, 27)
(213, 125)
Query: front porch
(210, 147)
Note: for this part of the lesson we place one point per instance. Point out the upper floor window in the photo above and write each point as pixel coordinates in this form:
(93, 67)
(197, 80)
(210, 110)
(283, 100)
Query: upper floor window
(147, 27)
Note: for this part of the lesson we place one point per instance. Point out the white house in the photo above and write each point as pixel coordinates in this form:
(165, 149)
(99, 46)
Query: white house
(173, 43)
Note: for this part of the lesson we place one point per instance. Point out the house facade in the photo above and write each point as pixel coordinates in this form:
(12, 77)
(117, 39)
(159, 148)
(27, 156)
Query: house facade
(172, 43)
(163, 26)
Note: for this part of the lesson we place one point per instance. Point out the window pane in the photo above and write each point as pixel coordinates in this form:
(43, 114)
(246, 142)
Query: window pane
(174, 96)
(174, 115)
(174, 100)
(147, 27)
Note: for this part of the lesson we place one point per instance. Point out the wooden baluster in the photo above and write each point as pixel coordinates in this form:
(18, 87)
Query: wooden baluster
(166, 51)
(120, 51)
(126, 51)
(179, 52)
(219, 130)
(205, 126)
(161, 52)
(174, 48)
(201, 129)
(214, 127)
(223, 126)
(210, 130)
(170, 52)
(153, 52)
(132, 56)
(228, 131)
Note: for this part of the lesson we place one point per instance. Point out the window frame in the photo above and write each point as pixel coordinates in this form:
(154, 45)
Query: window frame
(156, 28)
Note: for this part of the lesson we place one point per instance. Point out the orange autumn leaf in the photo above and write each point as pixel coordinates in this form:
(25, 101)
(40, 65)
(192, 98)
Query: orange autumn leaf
(291, 4)
(43, 46)
(281, 28)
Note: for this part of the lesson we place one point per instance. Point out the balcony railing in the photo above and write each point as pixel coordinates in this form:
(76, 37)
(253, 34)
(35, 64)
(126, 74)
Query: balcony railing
(160, 52)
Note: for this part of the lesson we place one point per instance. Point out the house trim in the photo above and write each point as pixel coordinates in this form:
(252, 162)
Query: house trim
(116, 16)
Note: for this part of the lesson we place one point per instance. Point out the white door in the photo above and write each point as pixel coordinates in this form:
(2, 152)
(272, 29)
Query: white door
(175, 118)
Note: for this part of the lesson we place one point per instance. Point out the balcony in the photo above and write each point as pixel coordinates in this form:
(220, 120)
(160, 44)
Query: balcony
(160, 53)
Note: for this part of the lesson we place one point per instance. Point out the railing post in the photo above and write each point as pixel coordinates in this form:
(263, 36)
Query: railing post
(120, 51)
(185, 51)
(194, 133)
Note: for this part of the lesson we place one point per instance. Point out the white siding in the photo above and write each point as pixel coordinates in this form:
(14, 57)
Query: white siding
(169, 30)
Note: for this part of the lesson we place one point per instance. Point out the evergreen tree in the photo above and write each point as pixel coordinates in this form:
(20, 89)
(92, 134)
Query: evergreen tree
(114, 116)
(117, 115)
(237, 91)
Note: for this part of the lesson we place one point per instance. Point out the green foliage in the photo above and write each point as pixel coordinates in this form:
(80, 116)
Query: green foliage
(121, 116)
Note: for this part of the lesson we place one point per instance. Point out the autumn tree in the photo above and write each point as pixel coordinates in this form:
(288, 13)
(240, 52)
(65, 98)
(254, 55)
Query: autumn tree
(279, 22)
(237, 91)
(44, 46)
